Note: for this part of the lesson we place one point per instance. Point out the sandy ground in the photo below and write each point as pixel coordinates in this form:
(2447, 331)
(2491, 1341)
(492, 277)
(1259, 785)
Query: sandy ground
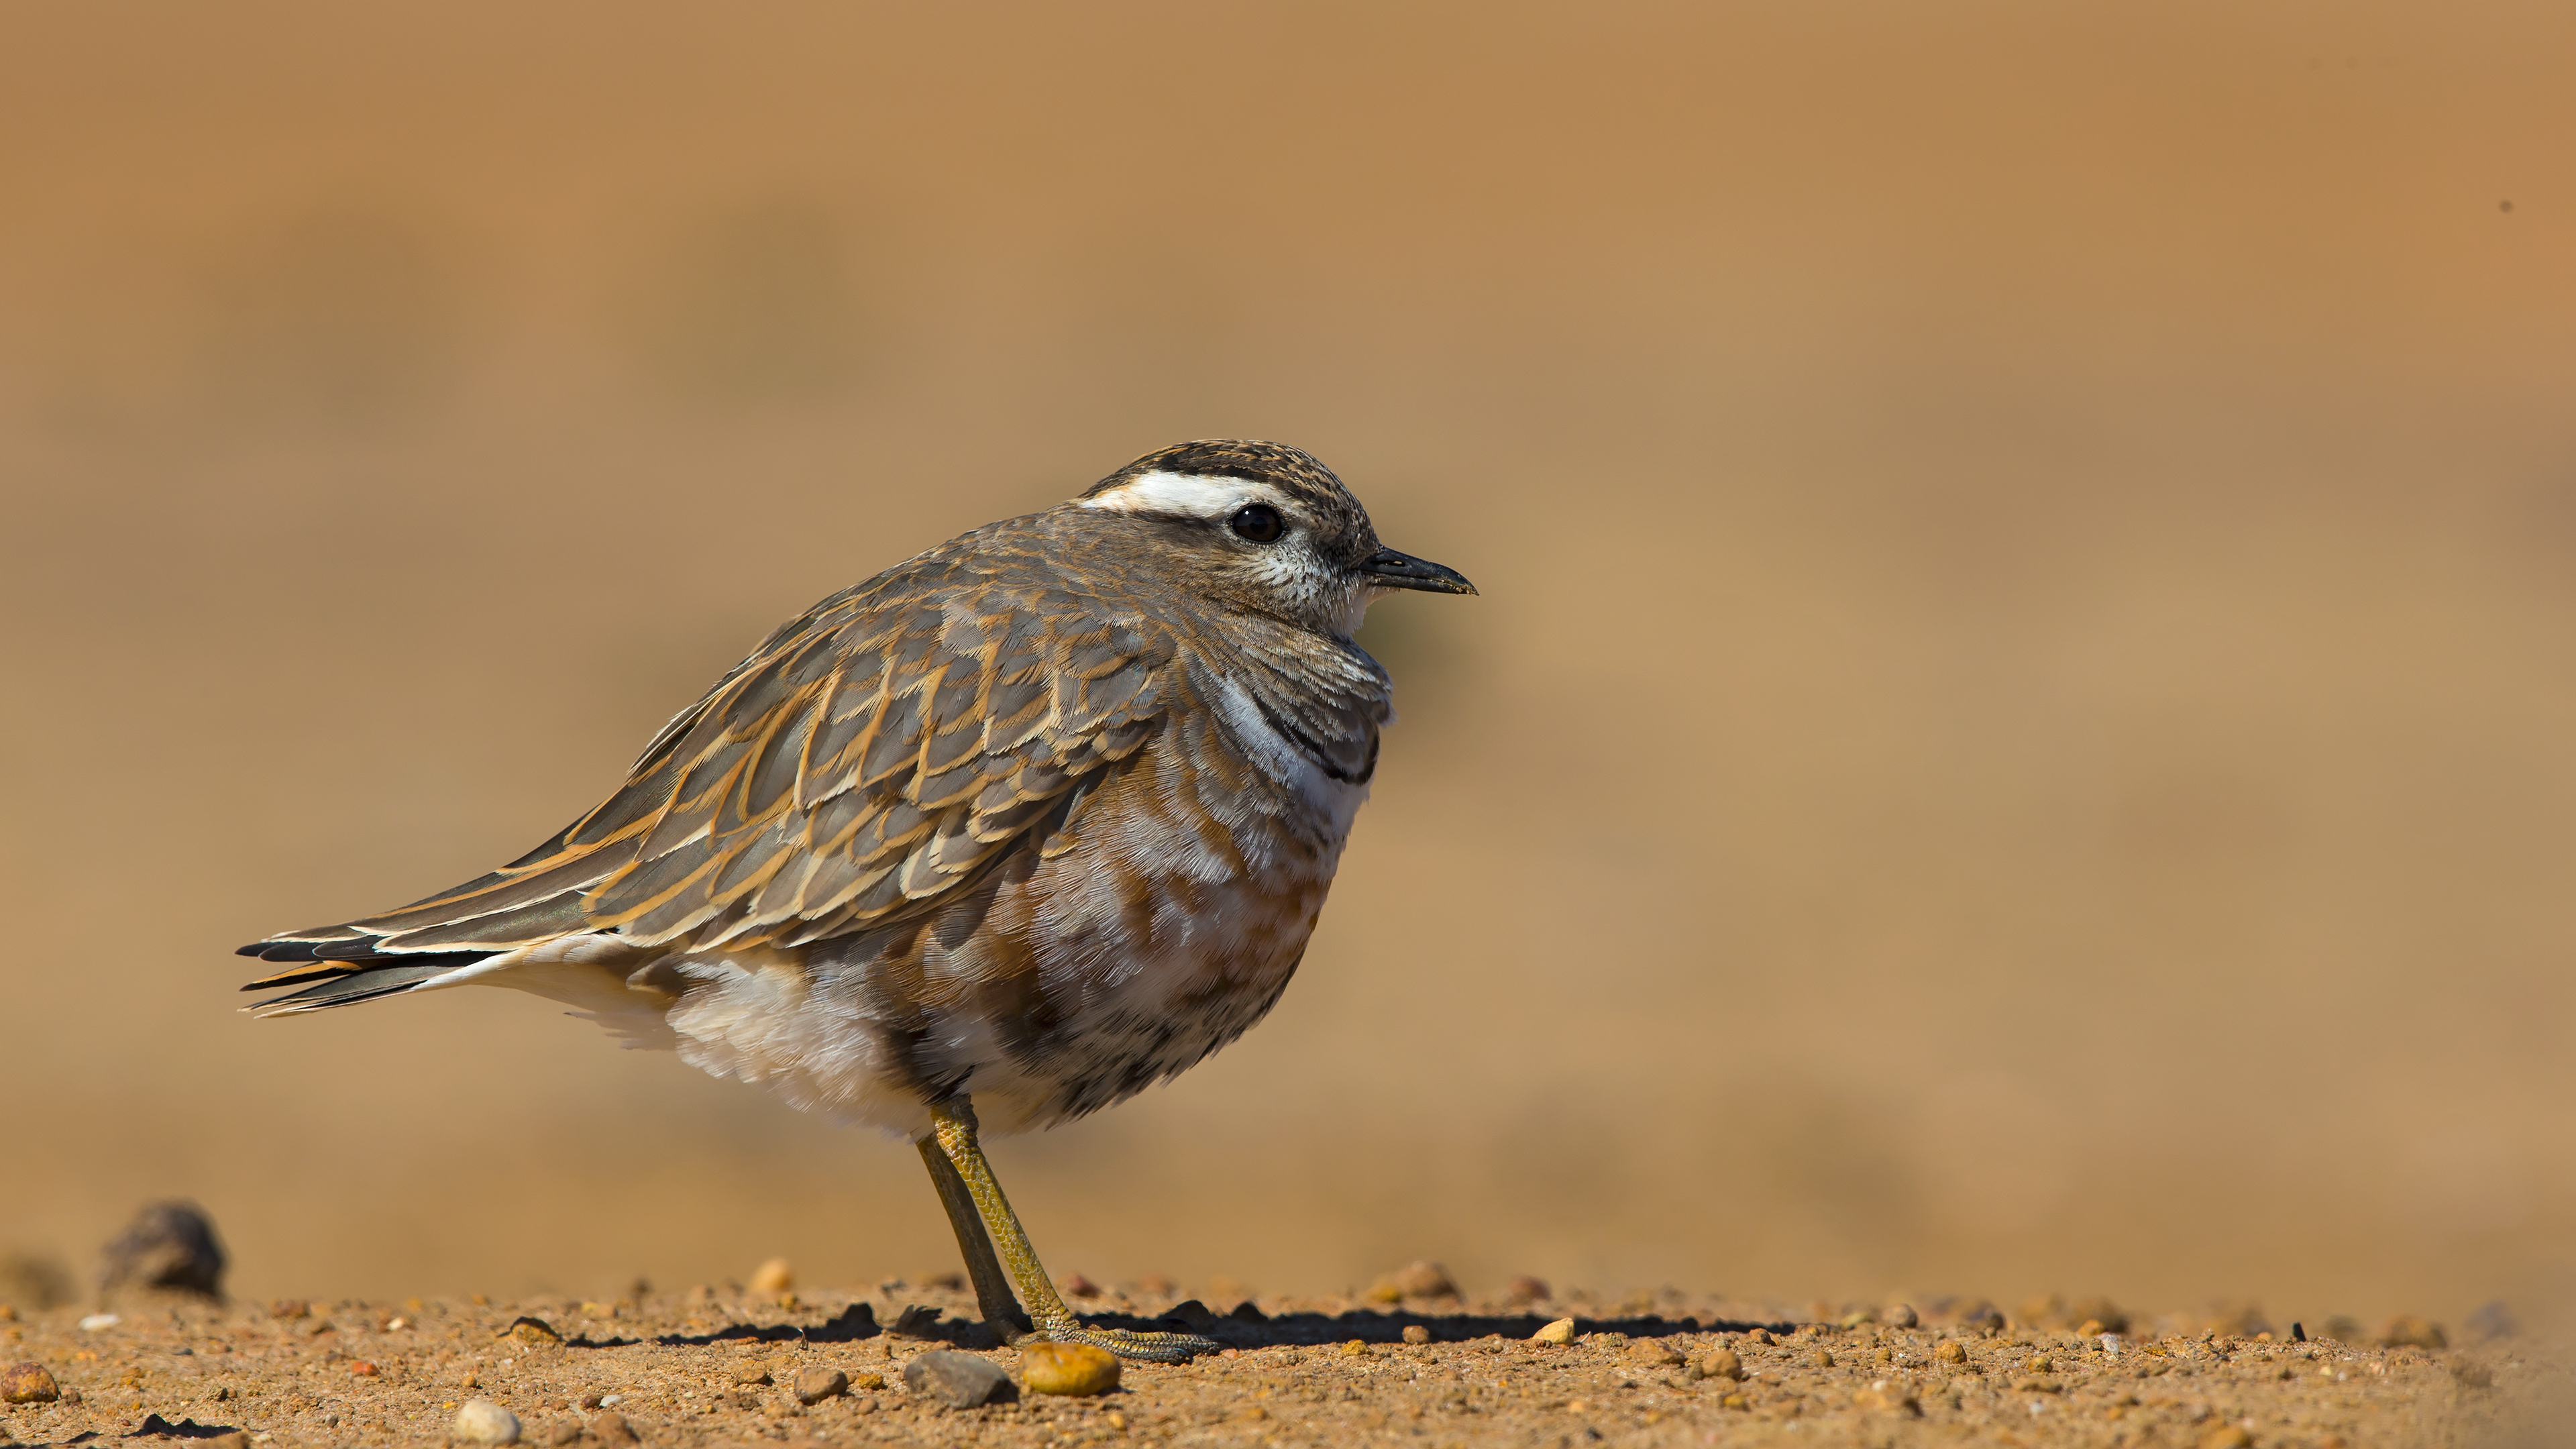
(714, 1367)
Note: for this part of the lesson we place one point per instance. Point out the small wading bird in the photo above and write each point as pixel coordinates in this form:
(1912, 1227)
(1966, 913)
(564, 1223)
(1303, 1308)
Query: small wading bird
(1009, 832)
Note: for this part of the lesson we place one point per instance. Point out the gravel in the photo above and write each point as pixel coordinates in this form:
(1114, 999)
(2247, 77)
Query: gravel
(1329, 1370)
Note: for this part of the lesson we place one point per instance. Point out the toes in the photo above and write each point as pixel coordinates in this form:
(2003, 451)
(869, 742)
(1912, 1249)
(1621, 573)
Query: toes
(1149, 1347)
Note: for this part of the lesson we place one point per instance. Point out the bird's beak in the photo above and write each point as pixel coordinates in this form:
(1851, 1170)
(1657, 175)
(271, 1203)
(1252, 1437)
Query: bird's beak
(1391, 570)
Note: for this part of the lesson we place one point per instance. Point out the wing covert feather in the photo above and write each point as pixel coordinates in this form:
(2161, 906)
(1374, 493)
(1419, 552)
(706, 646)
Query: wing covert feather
(867, 759)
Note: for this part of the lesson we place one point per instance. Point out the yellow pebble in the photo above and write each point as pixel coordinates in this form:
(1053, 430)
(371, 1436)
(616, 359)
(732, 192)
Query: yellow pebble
(1076, 1370)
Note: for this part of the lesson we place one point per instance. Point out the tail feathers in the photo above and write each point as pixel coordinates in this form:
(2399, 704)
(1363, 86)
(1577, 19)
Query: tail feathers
(353, 987)
(305, 961)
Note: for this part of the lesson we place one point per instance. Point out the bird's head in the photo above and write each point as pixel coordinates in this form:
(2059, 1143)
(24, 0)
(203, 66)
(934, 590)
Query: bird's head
(1264, 526)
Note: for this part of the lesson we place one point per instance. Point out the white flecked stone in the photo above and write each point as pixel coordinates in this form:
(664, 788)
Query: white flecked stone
(483, 1422)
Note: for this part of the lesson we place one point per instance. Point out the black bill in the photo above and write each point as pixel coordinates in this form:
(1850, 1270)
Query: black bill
(1391, 570)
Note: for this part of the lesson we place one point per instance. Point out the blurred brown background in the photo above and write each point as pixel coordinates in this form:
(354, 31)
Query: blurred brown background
(2018, 734)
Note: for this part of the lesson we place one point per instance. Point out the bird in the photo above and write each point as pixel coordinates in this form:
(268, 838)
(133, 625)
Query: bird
(998, 838)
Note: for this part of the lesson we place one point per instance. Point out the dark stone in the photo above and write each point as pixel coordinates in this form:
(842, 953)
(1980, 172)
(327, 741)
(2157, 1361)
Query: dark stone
(2493, 1321)
(959, 1380)
(169, 1245)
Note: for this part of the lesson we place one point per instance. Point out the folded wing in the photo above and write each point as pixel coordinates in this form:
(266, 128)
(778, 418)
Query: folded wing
(865, 760)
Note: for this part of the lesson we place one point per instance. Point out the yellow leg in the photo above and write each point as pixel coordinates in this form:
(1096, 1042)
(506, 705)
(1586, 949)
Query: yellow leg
(952, 1133)
(992, 1290)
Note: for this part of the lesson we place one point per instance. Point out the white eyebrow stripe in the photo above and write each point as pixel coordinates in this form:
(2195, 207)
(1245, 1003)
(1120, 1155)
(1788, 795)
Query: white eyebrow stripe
(1190, 494)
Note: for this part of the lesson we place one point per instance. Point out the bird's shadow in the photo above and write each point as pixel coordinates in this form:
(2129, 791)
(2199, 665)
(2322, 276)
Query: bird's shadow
(156, 1427)
(1255, 1329)
(1246, 1327)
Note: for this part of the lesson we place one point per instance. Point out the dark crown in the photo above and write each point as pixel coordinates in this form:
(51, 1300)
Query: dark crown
(1293, 471)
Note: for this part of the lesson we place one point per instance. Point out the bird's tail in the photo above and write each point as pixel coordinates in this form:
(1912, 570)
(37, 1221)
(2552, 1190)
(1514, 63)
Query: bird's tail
(346, 983)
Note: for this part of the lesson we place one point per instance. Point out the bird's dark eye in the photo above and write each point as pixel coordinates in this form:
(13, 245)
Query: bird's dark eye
(1257, 522)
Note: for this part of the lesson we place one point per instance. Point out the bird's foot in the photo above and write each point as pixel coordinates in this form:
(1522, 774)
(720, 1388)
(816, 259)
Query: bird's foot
(1128, 1343)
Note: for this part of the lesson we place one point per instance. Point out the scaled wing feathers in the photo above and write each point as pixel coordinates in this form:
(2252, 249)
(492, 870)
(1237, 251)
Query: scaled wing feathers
(866, 759)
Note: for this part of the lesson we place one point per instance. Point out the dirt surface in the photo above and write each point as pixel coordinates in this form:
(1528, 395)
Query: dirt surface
(715, 1368)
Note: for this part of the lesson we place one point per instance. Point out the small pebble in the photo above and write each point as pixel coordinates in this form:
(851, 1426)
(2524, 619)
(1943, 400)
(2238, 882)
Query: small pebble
(864, 1383)
(751, 1374)
(1721, 1363)
(1650, 1351)
(2404, 1331)
(1078, 1286)
(818, 1383)
(773, 1277)
(1561, 1331)
(2493, 1321)
(28, 1383)
(959, 1380)
(612, 1430)
(1950, 1351)
(2227, 1436)
(1900, 1316)
(481, 1421)
(1416, 1333)
(2111, 1317)
(1424, 1280)
(1894, 1398)
(96, 1321)
(563, 1433)
(1073, 1370)
(1524, 1290)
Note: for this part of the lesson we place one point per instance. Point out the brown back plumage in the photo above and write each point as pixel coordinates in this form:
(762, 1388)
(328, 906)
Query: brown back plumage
(867, 757)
